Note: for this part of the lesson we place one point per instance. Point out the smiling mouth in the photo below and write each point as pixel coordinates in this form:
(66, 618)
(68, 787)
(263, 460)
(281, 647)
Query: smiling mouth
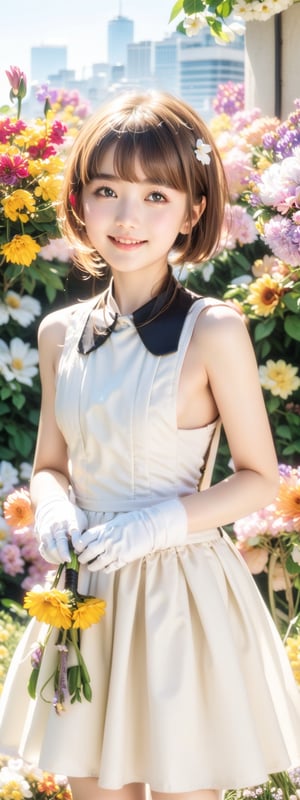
(120, 241)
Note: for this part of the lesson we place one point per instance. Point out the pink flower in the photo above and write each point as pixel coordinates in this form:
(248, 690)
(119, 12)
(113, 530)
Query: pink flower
(17, 79)
(256, 558)
(239, 228)
(10, 558)
(12, 169)
(58, 131)
(42, 149)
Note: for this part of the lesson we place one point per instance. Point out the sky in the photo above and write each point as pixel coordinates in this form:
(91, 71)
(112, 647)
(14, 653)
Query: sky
(79, 24)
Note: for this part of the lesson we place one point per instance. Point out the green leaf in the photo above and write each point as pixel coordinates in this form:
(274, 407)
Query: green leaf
(292, 326)
(177, 8)
(292, 301)
(290, 449)
(193, 6)
(32, 683)
(19, 400)
(23, 442)
(292, 567)
(4, 409)
(264, 329)
(284, 431)
(265, 349)
(273, 404)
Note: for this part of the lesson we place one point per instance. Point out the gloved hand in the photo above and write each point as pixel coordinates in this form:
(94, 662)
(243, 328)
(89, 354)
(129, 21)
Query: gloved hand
(132, 535)
(55, 520)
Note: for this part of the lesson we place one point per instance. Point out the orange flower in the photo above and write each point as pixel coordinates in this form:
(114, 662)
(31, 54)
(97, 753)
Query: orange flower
(288, 500)
(17, 509)
(88, 613)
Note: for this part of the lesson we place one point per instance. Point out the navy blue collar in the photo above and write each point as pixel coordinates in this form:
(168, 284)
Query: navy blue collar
(158, 322)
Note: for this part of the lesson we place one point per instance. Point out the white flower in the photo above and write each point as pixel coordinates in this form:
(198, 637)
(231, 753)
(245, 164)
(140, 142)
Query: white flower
(5, 531)
(296, 554)
(194, 23)
(207, 271)
(17, 362)
(25, 471)
(257, 10)
(23, 309)
(228, 33)
(201, 151)
(8, 477)
(8, 775)
(57, 248)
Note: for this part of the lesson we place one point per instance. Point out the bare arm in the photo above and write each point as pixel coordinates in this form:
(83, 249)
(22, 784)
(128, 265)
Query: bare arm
(50, 468)
(232, 374)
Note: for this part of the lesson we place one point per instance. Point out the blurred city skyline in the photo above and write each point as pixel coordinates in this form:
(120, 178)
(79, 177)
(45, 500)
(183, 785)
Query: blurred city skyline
(82, 27)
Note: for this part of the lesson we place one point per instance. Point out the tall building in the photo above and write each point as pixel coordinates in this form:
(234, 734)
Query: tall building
(166, 67)
(140, 64)
(47, 60)
(120, 35)
(203, 65)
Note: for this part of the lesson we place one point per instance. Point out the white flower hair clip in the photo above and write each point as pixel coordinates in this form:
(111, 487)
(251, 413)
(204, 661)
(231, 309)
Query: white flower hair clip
(201, 151)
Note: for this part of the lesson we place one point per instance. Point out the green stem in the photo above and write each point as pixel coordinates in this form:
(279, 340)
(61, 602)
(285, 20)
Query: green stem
(271, 568)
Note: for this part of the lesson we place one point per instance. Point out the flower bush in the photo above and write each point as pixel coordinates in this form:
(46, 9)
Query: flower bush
(258, 264)
(34, 258)
(21, 566)
(196, 14)
(19, 780)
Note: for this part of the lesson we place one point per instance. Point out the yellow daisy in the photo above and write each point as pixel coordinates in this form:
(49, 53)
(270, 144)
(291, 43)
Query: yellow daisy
(18, 205)
(21, 250)
(264, 295)
(88, 612)
(49, 187)
(52, 607)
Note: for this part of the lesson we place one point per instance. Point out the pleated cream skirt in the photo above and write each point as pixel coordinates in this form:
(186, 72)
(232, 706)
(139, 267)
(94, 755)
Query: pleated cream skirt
(191, 685)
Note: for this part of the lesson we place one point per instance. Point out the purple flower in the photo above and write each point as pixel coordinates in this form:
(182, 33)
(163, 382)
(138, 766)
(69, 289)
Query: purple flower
(12, 169)
(283, 238)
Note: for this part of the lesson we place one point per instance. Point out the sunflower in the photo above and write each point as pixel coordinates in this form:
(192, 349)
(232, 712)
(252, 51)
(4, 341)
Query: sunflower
(17, 509)
(264, 295)
(52, 607)
(88, 612)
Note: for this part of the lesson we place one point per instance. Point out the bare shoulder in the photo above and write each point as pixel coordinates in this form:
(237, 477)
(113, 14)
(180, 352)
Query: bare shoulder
(219, 320)
(221, 334)
(53, 327)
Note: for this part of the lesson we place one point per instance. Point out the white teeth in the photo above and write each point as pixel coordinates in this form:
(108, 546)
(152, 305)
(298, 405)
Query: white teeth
(128, 241)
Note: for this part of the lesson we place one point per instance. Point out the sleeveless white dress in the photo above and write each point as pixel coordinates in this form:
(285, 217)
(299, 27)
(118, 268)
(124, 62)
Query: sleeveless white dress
(191, 684)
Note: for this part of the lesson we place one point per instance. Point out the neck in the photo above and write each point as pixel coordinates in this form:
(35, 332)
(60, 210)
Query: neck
(133, 290)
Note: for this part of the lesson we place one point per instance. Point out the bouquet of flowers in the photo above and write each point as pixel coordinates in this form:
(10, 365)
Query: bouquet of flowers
(66, 612)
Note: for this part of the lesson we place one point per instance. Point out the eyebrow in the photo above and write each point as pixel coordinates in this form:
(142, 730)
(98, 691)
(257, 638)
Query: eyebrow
(107, 176)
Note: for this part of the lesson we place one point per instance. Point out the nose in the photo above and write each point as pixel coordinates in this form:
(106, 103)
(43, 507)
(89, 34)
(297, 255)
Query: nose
(127, 215)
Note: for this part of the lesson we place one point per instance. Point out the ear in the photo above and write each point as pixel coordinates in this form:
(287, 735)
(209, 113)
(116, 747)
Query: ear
(197, 212)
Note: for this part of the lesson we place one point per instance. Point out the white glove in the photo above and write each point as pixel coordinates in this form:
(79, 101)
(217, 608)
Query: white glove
(132, 535)
(55, 520)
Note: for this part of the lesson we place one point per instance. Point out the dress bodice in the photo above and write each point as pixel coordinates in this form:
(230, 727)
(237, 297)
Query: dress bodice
(117, 409)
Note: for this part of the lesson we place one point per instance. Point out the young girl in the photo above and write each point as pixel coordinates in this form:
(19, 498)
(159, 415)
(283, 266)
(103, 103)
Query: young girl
(192, 690)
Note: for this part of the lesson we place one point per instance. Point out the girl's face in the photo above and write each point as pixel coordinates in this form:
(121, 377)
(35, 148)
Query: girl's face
(132, 225)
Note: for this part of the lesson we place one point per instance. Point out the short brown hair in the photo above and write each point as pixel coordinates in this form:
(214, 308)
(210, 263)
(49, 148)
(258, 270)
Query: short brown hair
(162, 131)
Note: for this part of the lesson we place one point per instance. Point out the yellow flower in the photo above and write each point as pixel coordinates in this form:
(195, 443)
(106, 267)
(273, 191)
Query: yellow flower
(51, 166)
(88, 612)
(21, 250)
(293, 650)
(3, 651)
(48, 188)
(17, 204)
(52, 607)
(279, 378)
(264, 295)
